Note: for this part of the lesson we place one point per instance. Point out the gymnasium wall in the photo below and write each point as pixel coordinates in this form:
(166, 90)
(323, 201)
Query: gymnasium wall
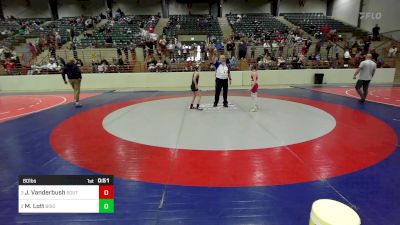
(182, 80)
(390, 15)
(176, 8)
(67, 8)
(346, 11)
(311, 6)
(20, 9)
(138, 7)
(250, 6)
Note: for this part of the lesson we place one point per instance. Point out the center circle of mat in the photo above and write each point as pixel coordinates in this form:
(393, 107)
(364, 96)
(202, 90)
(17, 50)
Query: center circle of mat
(358, 141)
(166, 123)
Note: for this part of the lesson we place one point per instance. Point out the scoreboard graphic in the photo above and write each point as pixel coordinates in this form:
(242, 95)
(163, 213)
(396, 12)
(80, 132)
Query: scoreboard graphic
(66, 194)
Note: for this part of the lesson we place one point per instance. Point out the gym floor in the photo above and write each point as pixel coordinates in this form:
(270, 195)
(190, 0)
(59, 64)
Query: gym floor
(173, 165)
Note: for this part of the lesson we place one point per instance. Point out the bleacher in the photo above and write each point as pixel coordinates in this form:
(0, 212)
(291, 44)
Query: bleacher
(119, 32)
(248, 23)
(13, 38)
(61, 26)
(89, 54)
(190, 25)
(313, 22)
(10, 26)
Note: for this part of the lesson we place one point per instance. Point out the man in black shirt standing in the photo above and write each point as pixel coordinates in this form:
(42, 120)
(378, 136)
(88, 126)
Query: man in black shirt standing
(74, 75)
(231, 47)
(375, 33)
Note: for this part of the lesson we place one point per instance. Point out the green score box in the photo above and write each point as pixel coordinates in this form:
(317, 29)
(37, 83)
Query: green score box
(106, 206)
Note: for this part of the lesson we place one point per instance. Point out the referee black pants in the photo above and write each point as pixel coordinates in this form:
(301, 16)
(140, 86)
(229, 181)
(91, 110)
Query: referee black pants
(221, 84)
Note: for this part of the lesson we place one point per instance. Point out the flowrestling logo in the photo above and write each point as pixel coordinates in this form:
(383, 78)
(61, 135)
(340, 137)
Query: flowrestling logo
(370, 15)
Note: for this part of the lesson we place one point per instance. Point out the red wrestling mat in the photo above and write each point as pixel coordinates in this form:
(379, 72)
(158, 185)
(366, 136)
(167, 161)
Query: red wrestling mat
(383, 95)
(95, 149)
(14, 106)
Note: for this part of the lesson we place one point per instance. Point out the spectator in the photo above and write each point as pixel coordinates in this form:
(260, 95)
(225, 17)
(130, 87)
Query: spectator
(253, 51)
(354, 49)
(52, 66)
(392, 51)
(336, 50)
(121, 13)
(367, 44)
(230, 47)
(94, 66)
(151, 64)
(103, 66)
(170, 48)
(318, 57)
(109, 13)
(268, 61)
(326, 29)
(312, 28)
(32, 49)
(150, 29)
(375, 33)
(304, 49)
(274, 46)
(102, 16)
(159, 65)
(242, 50)
(58, 39)
(119, 52)
(189, 65)
(301, 62)
(21, 31)
(266, 46)
(281, 46)
(380, 62)
(9, 66)
(374, 54)
(163, 45)
(219, 45)
(52, 51)
(117, 15)
(72, 33)
(233, 63)
(109, 41)
(166, 65)
(346, 58)
(89, 23)
(212, 38)
(318, 47)
(328, 48)
(61, 62)
(261, 63)
(330, 62)
(114, 65)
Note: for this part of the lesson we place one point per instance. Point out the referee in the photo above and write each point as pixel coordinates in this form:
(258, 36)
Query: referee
(222, 75)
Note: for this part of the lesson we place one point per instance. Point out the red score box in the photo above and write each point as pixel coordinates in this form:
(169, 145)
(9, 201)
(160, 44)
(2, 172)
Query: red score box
(106, 191)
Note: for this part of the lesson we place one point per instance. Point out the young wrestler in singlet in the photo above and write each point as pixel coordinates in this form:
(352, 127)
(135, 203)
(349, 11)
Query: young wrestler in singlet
(254, 88)
(195, 88)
